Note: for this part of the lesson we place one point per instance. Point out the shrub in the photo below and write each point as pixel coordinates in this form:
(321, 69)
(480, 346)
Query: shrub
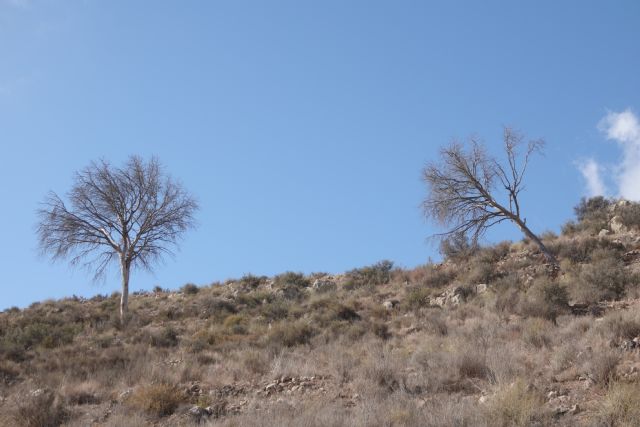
(621, 405)
(42, 408)
(254, 299)
(157, 400)
(291, 292)
(494, 253)
(9, 373)
(472, 364)
(621, 325)
(507, 301)
(604, 278)
(290, 334)
(438, 277)
(516, 405)
(255, 361)
(328, 310)
(236, 324)
(630, 214)
(165, 337)
(435, 323)
(457, 247)
(252, 282)
(374, 275)
(18, 339)
(602, 366)
(581, 250)
(84, 393)
(275, 310)
(216, 307)
(292, 279)
(593, 212)
(481, 270)
(189, 289)
(570, 228)
(547, 300)
(535, 332)
(381, 330)
(417, 297)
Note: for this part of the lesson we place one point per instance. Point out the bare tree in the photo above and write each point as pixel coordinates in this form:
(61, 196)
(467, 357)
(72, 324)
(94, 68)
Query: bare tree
(133, 215)
(469, 191)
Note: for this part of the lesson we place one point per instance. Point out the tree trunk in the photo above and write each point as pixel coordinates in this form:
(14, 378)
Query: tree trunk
(548, 255)
(124, 297)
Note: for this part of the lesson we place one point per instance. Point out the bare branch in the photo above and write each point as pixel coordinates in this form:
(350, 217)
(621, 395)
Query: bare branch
(134, 214)
(466, 187)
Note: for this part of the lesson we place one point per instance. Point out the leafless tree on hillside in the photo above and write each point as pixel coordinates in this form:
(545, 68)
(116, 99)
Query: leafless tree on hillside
(469, 191)
(133, 215)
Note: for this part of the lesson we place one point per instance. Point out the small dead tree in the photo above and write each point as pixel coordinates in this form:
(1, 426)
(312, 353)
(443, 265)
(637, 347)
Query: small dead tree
(133, 215)
(470, 191)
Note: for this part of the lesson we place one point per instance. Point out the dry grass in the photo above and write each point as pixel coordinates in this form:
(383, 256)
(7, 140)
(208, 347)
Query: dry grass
(516, 405)
(158, 400)
(621, 405)
(411, 364)
(42, 408)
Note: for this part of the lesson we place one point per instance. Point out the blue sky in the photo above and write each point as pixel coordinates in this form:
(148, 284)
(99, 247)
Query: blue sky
(301, 126)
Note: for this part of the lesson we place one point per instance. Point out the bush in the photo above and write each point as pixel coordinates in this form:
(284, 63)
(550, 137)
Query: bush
(292, 279)
(535, 332)
(165, 337)
(189, 289)
(216, 307)
(290, 334)
(275, 310)
(42, 408)
(9, 373)
(157, 400)
(547, 300)
(581, 250)
(605, 278)
(236, 324)
(621, 405)
(374, 275)
(593, 209)
(516, 406)
(630, 215)
(621, 326)
(328, 310)
(481, 270)
(252, 282)
(381, 330)
(472, 364)
(436, 323)
(602, 366)
(18, 339)
(417, 297)
(457, 247)
(254, 299)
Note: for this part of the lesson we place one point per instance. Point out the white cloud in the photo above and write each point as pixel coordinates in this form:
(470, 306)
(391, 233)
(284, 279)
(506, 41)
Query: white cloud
(624, 128)
(592, 173)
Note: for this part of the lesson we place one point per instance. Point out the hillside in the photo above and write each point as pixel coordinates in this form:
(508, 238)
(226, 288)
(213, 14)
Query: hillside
(489, 337)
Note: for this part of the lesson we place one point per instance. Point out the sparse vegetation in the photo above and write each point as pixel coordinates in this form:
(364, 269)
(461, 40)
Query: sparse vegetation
(486, 338)
(158, 400)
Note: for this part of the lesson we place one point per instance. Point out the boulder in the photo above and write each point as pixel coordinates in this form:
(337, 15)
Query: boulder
(390, 304)
(439, 301)
(604, 232)
(616, 225)
(324, 285)
(481, 288)
(199, 413)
